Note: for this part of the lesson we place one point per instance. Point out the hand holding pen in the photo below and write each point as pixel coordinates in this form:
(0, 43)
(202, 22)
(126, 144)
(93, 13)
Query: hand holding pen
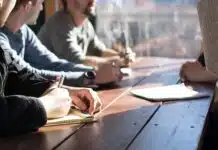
(84, 99)
(61, 81)
(127, 53)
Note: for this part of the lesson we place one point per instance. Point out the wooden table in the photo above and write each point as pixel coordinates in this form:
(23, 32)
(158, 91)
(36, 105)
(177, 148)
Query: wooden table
(127, 122)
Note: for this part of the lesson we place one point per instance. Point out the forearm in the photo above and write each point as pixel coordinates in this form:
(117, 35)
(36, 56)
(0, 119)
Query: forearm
(20, 114)
(109, 53)
(71, 78)
(93, 61)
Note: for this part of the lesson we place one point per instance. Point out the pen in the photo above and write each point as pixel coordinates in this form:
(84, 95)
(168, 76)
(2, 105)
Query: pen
(125, 45)
(61, 81)
(180, 81)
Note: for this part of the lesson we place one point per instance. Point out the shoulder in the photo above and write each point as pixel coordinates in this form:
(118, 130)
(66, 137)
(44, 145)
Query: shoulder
(59, 23)
(26, 31)
(4, 34)
(90, 26)
(90, 29)
(59, 19)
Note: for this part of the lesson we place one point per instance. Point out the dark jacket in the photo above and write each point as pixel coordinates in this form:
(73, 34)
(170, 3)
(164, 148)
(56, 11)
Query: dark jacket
(20, 110)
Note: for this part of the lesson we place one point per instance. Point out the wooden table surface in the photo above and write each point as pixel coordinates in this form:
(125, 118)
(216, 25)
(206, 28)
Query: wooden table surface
(127, 122)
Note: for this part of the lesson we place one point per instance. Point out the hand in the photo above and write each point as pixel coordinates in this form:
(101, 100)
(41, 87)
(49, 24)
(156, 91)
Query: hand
(108, 73)
(195, 72)
(128, 57)
(85, 99)
(57, 102)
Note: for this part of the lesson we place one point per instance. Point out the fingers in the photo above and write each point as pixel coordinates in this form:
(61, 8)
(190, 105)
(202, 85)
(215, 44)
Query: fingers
(186, 69)
(130, 55)
(183, 71)
(118, 75)
(95, 102)
(79, 103)
(89, 98)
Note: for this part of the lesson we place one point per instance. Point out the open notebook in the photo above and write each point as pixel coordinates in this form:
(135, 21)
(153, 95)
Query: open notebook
(74, 117)
(169, 93)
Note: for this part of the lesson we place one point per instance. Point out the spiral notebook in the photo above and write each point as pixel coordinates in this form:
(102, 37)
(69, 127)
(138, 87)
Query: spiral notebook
(169, 93)
(74, 117)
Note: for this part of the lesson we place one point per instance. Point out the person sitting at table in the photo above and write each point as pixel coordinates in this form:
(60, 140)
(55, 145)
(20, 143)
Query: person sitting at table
(70, 35)
(26, 97)
(19, 40)
(196, 71)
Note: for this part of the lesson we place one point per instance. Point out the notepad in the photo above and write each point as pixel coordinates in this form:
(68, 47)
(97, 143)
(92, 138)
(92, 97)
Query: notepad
(74, 117)
(169, 93)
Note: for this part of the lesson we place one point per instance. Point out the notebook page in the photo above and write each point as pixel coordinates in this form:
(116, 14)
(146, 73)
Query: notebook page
(74, 117)
(171, 92)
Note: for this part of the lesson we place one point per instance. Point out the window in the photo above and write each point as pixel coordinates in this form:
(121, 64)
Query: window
(163, 28)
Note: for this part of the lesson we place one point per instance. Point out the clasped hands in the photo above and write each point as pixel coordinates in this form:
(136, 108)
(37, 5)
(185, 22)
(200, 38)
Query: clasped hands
(127, 57)
(58, 100)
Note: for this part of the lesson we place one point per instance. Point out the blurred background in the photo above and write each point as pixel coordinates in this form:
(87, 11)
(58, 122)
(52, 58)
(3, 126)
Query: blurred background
(163, 28)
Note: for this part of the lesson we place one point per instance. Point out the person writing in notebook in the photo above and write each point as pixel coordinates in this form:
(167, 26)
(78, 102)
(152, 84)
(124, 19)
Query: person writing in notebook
(19, 40)
(196, 71)
(70, 35)
(24, 95)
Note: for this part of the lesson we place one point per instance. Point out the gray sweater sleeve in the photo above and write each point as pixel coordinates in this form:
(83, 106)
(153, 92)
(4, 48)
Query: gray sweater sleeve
(96, 47)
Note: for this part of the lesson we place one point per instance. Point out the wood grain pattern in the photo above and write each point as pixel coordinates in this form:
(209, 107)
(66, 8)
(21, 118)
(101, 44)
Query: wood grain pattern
(112, 132)
(127, 121)
(42, 140)
(175, 126)
(50, 137)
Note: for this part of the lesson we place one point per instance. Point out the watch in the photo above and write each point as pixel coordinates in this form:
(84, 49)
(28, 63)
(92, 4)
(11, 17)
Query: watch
(89, 78)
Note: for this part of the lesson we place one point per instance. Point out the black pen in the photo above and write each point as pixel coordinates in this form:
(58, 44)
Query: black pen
(181, 80)
(61, 81)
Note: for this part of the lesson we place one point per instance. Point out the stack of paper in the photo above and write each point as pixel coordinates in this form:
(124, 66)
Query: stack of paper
(169, 93)
(74, 117)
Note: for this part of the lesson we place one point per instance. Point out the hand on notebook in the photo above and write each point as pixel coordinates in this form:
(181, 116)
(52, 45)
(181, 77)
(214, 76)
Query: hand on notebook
(85, 99)
(195, 72)
(57, 102)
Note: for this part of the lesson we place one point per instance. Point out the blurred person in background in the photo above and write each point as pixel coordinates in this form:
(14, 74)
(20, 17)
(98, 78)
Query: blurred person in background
(70, 35)
(19, 40)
